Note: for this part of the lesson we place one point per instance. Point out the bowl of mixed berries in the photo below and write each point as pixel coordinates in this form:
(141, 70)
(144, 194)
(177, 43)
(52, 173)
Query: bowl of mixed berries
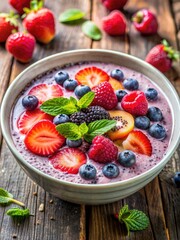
(91, 131)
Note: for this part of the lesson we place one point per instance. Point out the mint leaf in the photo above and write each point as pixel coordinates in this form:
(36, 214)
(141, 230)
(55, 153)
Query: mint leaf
(99, 127)
(83, 128)
(86, 100)
(124, 210)
(7, 198)
(58, 106)
(69, 130)
(91, 30)
(18, 214)
(74, 100)
(71, 15)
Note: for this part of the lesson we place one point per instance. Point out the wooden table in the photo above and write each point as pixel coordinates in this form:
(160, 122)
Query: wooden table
(160, 200)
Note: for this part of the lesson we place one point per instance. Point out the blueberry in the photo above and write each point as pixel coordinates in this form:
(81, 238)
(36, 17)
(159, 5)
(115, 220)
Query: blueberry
(60, 77)
(154, 114)
(117, 74)
(120, 94)
(87, 171)
(131, 84)
(81, 90)
(61, 118)
(142, 122)
(73, 143)
(30, 102)
(177, 179)
(157, 131)
(110, 170)
(127, 158)
(151, 94)
(70, 84)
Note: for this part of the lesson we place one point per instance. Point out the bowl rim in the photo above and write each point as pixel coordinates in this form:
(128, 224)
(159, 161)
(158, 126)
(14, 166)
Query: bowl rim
(123, 183)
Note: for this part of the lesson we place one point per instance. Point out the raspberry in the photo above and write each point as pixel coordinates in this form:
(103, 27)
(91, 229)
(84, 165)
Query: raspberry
(103, 150)
(105, 96)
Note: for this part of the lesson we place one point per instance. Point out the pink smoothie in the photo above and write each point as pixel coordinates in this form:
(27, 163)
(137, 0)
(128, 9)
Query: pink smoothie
(143, 162)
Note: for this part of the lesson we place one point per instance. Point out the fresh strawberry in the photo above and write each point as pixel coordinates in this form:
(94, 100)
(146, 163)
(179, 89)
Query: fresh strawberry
(19, 5)
(68, 160)
(43, 139)
(114, 24)
(104, 96)
(138, 142)
(102, 150)
(145, 22)
(114, 4)
(40, 22)
(91, 76)
(45, 92)
(135, 103)
(161, 56)
(28, 118)
(8, 25)
(21, 46)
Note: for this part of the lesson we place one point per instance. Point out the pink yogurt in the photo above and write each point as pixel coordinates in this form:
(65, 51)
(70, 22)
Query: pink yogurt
(143, 162)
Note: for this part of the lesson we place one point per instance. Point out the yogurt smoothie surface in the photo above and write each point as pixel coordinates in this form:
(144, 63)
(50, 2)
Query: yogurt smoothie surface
(143, 162)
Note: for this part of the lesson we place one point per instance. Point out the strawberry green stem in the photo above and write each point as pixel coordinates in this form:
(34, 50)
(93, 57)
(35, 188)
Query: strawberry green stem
(138, 17)
(171, 53)
(17, 202)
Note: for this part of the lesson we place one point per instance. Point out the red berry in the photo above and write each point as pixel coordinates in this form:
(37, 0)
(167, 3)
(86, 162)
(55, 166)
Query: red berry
(21, 46)
(145, 22)
(105, 96)
(103, 150)
(135, 103)
(68, 160)
(43, 139)
(114, 24)
(19, 5)
(8, 24)
(114, 4)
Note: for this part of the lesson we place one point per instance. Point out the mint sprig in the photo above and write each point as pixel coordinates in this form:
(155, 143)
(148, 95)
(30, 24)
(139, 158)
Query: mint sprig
(71, 15)
(134, 220)
(18, 214)
(7, 198)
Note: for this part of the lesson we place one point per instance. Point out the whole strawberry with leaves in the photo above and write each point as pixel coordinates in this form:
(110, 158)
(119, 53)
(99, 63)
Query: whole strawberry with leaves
(40, 22)
(162, 56)
(8, 25)
(19, 5)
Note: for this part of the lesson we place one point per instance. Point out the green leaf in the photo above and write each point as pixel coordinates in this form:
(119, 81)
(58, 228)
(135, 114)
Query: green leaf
(83, 128)
(18, 214)
(86, 100)
(74, 100)
(69, 130)
(58, 106)
(71, 15)
(124, 210)
(91, 30)
(7, 198)
(99, 127)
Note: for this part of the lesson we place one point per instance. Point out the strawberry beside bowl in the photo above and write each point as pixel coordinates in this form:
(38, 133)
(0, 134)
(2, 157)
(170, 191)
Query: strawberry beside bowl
(90, 193)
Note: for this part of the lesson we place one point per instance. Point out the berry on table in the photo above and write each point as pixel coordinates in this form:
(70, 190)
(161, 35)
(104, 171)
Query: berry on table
(131, 84)
(117, 74)
(127, 158)
(151, 94)
(142, 122)
(30, 102)
(60, 77)
(114, 4)
(110, 170)
(61, 118)
(19, 5)
(87, 171)
(70, 84)
(154, 114)
(81, 90)
(120, 94)
(73, 143)
(176, 179)
(157, 131)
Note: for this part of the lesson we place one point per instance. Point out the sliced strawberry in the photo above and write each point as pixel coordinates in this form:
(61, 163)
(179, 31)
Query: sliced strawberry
(43, 139)
(28, 118)
(45, 92)
(138, 142)
(91, 76)
(68, 160)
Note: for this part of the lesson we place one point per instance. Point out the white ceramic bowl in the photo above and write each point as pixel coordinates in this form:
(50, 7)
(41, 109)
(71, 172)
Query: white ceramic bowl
(90, 194)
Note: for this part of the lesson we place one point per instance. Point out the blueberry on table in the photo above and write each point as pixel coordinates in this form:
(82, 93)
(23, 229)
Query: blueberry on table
(30, 102)
(61, 118)
(142, 122)
(117, 74)
(151, 94)
(127, 158)
(81, 90)
(131, 84)
(70, 84)
(60, 77)
(87, 171)
(73, 143)
(157, 131)
(110, 170)
(177, 179)
(120, 94)
(154, 114)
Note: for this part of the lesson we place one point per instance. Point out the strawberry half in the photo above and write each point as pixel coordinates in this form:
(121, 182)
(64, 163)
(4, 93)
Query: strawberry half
(28, 118)
(91, 76)
(45, 92)
(43, 139)
(138, 142)
(68, 160)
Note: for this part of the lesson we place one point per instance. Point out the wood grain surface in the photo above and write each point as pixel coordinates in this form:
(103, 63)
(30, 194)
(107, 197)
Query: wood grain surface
(61, 220)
